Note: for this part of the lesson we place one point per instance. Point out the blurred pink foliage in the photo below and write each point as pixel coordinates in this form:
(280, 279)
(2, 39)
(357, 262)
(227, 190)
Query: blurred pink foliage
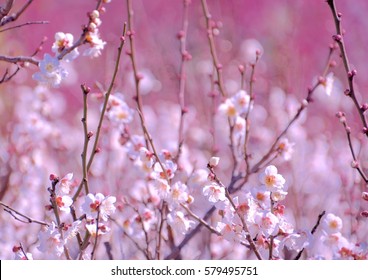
(41, 132)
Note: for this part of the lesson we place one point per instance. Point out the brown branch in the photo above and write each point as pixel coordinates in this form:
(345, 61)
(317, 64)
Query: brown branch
(246, 117)
(24, 24)
(176, 250)
(5, 9)
(104, 107)
(132, 55)
(350, 92)
(350, 74)
(216, 63)
(312, 232)
(6, 19)
(304, 104)
(14, 213)
(18, 59)
(200, 220)
(182, 36)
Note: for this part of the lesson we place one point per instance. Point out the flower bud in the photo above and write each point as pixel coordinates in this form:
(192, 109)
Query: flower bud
(213, 162)
(365, 195)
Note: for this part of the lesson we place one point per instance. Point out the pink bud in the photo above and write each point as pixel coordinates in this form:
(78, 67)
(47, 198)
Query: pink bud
(53, 177)
(364, 214)
(365, 195)
(337, 38)
(354, 164)
(214, 161)
(180, 34)
(364, 107)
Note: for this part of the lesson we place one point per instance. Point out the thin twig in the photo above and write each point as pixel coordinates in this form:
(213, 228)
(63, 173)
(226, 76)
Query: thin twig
(24, 24)
(246, 117)
(14, 213)
(18, 59)
(200, 220)
(132, 55)
(302, 107)
(182, 76)
(241, 217)
(339, 38)
(312, 232)
(216, 63)
(350, 92)
(96, 238)
(176, 250)
(108, 250)
(104, 107)
(15, 16)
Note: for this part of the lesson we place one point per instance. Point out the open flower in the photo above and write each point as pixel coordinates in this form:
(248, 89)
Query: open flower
(271, 179)
(327, 83)
(214, 192)
(96, 44)
(66, 184)
(64, 41)
(64, 202)
(51, 73)
(99, 203)
(51, 241)
(332, 224)
(267, 222)
(179, 222)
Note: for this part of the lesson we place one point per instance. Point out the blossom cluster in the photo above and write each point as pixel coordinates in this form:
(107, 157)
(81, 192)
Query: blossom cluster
(238, 165)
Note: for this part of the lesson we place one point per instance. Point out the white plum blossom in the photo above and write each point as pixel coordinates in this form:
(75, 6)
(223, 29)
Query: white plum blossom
(285, 149)
(118, 111)
(162, 188)
(271, 179)
(296, 241)
(241, 101)
(179, 222)
(146, 157)
(262, 197)
(267, 222)
(239, 127)
(63, 203)
(328, 83)
(133, 146)
(96, 44)
(336, 241)
(170, 169)
(91, 226)
(66, 184)
(19, 254)
(71, 230)
(278, 195)
(237, 105)
(146, 217)
(214, 161)
(178, 194)
(51, 241)
(228, 109)
(99, 203)
(214, 192)
(332, 224)
(51, 73)
(229, 232)
(64, 41)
